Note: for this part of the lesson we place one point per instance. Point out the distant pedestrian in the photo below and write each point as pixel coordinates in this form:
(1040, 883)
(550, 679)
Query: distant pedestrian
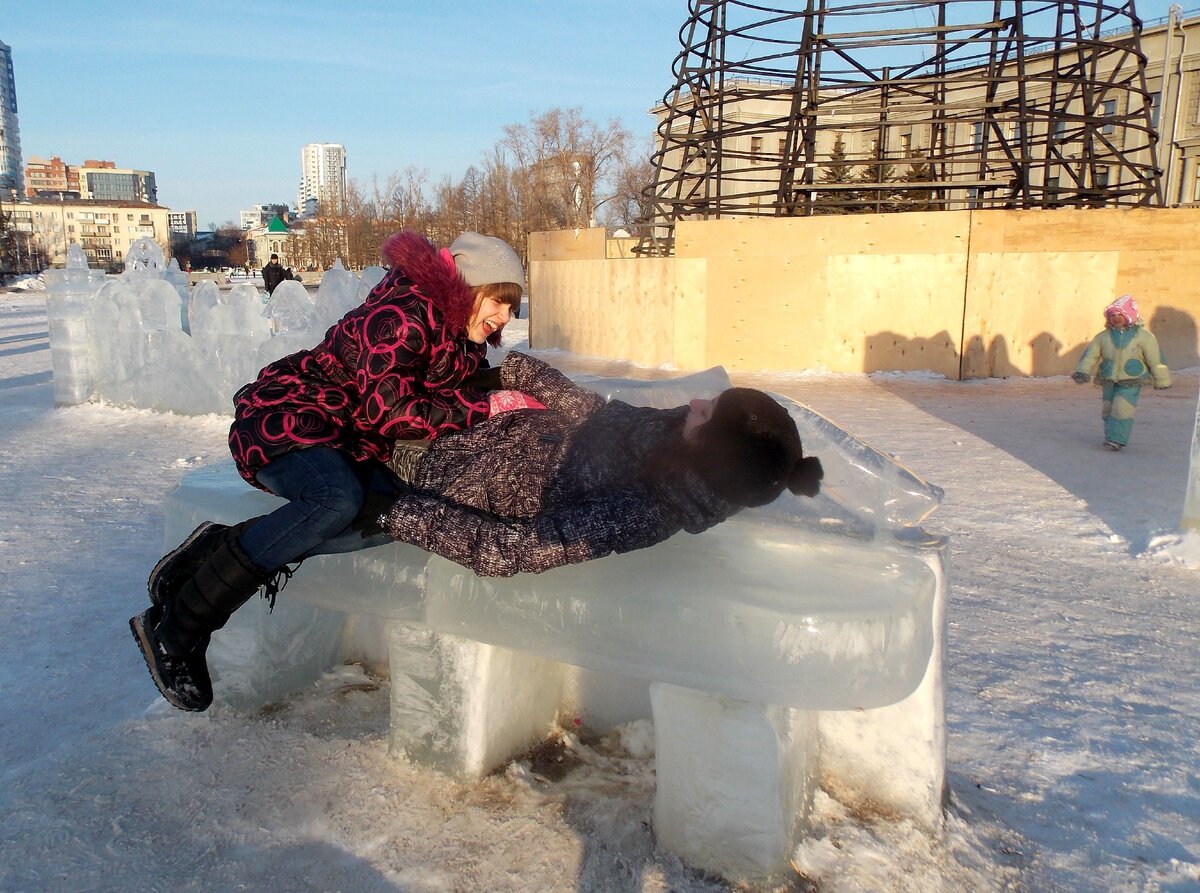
(273, 274)
(1125, 353)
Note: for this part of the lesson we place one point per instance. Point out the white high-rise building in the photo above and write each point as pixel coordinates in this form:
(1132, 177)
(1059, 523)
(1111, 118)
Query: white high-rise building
(12, 173)
(322, 177)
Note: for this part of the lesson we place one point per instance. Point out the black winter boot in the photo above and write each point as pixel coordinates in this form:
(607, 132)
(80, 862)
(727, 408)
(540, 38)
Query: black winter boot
(182, 680)
(174, 568)
(174, 636)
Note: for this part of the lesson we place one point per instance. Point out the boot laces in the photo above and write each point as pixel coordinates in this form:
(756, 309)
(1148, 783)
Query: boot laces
(277, 581)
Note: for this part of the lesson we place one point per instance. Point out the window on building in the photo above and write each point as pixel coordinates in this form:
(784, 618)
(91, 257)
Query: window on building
(1108, 110)
(905, 144)
(756, 147)
(1102, 178)
(977, 136)
(1059, 129)
(783, 147)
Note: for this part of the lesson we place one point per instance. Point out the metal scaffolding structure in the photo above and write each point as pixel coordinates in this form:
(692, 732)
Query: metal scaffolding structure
(842, 107)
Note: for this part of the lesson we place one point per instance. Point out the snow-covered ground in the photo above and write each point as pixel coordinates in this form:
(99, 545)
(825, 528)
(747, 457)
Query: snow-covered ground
(1072, 701)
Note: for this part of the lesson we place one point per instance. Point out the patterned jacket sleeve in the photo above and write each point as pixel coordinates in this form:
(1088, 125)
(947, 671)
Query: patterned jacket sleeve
(521, 372)
(491, 547)
(390, 353)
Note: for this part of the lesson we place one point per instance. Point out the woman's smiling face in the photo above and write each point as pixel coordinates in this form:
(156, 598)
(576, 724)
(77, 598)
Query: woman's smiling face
(490, 316)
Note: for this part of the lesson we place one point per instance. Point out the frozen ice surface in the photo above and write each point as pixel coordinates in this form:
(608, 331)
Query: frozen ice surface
(750, 609)
(227, 330)
(232, 334)
(144, 260)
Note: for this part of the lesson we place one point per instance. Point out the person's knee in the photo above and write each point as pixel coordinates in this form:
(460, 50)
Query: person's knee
(332, 487)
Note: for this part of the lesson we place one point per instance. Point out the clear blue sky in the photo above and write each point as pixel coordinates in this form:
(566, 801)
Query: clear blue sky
(217, 98)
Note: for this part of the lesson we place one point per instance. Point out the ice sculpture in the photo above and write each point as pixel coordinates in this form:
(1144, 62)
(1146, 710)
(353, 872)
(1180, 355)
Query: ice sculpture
(68, 294)
(370, 277)
(337, 295)
(793, 641)
(143, 260)
(804, 603)
(228, 334)
(865, 633)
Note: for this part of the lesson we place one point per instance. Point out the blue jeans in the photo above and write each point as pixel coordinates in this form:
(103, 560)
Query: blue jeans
(325, 490)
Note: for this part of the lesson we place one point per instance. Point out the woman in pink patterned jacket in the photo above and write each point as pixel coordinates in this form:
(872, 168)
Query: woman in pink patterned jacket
(318, 427)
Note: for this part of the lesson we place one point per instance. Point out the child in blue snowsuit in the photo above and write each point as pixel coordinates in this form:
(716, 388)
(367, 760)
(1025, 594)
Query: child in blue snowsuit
(1125, 353)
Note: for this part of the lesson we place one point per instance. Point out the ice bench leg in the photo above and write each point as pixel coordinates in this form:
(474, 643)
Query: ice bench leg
(735, 781)
(895, 757)
(465, 707)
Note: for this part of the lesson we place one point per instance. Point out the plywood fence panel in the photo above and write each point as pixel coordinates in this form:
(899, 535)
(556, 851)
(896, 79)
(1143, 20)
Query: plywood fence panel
(622, 309)
(567, 244)
(999, 292)
(1038, 281)
(845, 294)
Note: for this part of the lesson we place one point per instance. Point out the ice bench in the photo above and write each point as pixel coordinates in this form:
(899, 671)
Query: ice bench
(793, 644)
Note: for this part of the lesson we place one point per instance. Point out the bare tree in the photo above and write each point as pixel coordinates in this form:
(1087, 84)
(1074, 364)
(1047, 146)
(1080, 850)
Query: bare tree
(555, 172)
(562, 161)
(628, 203)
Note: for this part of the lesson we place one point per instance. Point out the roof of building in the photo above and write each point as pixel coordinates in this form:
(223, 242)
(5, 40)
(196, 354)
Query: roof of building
(277, 226)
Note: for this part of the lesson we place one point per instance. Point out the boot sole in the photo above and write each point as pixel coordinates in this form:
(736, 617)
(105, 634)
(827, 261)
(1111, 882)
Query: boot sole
(152, 581)
(137, 626)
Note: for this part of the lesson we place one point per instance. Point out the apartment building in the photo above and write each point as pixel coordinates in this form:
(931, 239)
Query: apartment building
(12, 180)
(104, 230)
(104, 181)
(322, 178)
(182, 223)
(50, 175)
(98, 180)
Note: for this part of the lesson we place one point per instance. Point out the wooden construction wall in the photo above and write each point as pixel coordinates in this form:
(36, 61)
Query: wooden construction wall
(964, 294)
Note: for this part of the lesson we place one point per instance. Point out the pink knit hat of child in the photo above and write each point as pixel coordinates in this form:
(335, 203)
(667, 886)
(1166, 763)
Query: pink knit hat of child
(1124, 305)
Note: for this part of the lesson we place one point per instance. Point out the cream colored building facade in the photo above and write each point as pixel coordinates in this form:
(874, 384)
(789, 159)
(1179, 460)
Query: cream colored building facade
(104, 230)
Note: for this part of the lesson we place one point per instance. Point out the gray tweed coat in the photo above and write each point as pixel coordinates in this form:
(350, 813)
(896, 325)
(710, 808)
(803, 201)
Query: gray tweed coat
(529, 490)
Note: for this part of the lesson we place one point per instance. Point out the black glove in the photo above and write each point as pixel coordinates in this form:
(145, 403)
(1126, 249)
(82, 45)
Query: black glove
(1081, 378)
(367, 520)
(485, 379)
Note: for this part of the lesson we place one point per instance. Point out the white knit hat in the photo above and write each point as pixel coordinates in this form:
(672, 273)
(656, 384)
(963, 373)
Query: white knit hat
(483, 260)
